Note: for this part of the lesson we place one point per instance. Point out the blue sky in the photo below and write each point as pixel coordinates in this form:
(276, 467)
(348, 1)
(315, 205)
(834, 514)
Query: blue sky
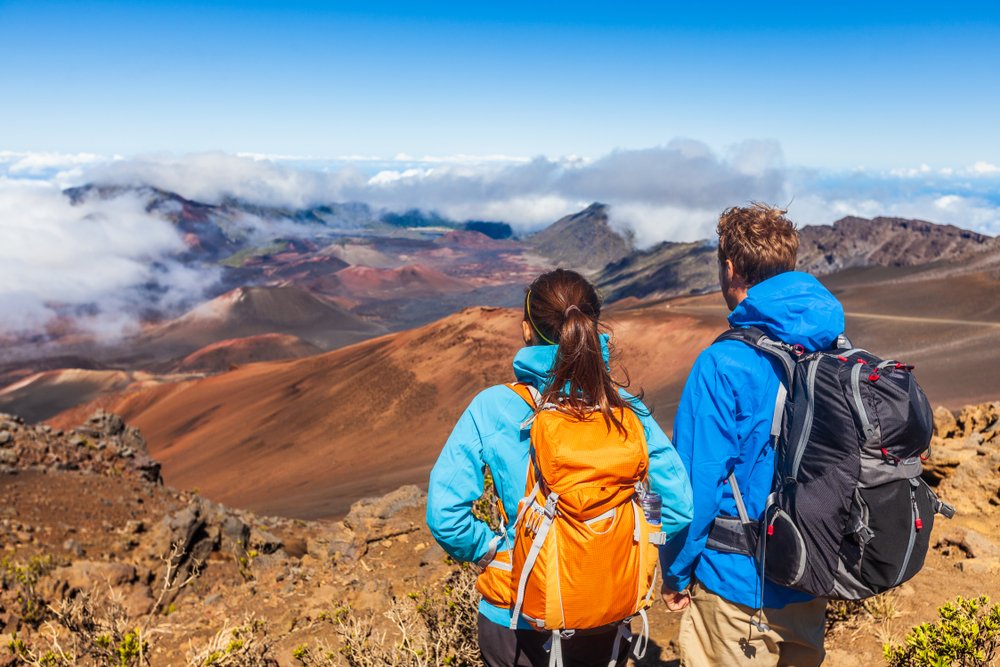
(506, 111)
(856, 84)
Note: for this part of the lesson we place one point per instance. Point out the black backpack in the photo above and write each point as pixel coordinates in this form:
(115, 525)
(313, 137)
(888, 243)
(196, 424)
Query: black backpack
(849, 515)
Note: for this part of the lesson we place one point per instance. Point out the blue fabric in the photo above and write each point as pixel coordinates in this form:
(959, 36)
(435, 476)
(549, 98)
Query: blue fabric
(723, 424)
(489, 434)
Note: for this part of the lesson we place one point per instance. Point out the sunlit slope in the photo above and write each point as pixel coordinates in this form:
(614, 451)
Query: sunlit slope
(307, 437)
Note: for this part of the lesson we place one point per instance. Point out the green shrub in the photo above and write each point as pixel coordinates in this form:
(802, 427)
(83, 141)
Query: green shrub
(246, 645)
(967, 634)
(486, 508)
(23, 576)
(103, 639)
(433, 627)
(853, 614)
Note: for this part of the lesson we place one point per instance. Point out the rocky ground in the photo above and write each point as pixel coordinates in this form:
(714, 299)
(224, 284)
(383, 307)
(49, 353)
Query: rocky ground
(92, 542)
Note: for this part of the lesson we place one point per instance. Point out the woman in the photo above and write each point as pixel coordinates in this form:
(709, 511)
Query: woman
(566, 359)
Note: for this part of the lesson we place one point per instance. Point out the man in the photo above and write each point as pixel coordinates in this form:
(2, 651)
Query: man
(731, 616)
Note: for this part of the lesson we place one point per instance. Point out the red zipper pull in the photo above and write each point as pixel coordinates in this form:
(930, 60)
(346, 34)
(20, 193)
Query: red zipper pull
(770, 530)
(918, 523)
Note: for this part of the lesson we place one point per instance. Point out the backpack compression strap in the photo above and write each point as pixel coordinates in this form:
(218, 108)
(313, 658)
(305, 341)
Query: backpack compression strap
(532, 397)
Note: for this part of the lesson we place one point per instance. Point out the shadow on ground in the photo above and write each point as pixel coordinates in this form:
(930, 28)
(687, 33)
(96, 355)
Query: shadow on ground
(655, 657)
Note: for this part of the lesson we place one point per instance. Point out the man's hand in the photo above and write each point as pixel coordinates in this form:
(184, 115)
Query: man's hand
(675, 601)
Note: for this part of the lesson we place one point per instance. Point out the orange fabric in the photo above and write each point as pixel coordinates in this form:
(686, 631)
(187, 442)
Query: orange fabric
(590, 571)
(494, 582)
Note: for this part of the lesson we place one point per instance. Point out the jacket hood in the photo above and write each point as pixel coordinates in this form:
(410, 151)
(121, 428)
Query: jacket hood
(533, 363)
(792, 307)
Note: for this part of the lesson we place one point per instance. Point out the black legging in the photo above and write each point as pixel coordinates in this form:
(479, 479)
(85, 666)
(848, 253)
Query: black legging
(502, 647)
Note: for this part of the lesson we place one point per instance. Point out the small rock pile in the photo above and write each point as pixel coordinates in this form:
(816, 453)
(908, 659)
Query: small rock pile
(964, 468)
(964, 465)
(104, 446)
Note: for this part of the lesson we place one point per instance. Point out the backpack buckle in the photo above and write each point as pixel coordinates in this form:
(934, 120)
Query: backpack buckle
(550, 505)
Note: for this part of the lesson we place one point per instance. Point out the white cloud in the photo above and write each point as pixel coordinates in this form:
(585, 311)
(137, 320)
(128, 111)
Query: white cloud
(62, 167)
(209, 177)
(106, 257)
(387, 176)
(911, 172)
(985, 168)
(651, 186)
(462, 158)
(947, 201)
(672, 223)
(527, 212)
(684, 175)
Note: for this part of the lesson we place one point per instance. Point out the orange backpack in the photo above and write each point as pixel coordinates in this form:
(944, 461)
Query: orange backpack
(584, 556)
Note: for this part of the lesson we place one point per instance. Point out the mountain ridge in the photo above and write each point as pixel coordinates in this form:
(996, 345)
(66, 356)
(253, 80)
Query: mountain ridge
(583, 240)
(671, 269)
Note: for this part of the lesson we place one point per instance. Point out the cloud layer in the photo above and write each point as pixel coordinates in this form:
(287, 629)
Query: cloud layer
(99, 263)
(105, 260)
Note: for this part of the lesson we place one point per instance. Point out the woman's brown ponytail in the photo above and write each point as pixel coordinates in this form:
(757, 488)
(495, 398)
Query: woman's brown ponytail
(563, 309)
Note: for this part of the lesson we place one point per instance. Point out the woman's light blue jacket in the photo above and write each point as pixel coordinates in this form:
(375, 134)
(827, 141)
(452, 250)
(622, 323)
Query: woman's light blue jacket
(489, 434)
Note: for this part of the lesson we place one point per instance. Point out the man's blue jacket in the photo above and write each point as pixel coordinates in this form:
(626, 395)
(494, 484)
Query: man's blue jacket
(723, 424)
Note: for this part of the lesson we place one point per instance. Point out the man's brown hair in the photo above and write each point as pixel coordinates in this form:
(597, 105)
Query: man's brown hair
(759, 240)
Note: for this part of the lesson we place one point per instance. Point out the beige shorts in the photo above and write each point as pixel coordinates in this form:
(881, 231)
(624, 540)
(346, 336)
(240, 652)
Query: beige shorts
(715, 632)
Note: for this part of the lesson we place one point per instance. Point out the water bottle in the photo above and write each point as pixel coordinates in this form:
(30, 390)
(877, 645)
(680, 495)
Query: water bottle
(651, 503)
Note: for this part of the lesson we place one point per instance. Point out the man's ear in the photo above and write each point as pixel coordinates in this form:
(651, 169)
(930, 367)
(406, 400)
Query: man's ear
(730, 270)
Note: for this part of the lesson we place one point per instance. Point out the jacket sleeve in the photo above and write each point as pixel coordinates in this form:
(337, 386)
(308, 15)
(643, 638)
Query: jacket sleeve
(667, 478)
(706, 440)
(456, 483)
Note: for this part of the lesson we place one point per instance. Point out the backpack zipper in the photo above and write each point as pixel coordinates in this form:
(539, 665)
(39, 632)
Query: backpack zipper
(859, 402)
(915, 524)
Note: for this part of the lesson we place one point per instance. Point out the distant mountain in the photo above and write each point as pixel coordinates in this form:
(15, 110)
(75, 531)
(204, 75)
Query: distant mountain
(363, 283)
(44, 394)
(666, 269)
(495, 230)
(415, 218)
(855, 242)
(309, 436)
(209, 231)
(251, 311)
(225, 354)
(583, 241)
(678, 269)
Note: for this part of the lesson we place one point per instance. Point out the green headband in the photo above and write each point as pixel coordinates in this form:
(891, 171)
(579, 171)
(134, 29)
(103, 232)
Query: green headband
(527, 308)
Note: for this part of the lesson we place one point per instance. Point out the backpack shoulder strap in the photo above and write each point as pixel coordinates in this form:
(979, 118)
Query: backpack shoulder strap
(758, 340)
(528, 392)
(781, 352)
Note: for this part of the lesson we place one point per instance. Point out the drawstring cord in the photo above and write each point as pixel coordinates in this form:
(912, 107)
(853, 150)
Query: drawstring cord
(759, 622)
